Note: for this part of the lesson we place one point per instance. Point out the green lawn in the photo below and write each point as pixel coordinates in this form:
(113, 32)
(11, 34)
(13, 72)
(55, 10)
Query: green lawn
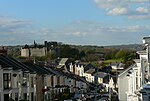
(106, 62)
(112, 61)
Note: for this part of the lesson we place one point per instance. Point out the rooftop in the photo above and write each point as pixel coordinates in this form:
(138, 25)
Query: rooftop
(143, 52)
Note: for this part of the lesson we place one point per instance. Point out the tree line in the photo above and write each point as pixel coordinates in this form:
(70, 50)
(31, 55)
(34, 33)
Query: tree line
(88, 54)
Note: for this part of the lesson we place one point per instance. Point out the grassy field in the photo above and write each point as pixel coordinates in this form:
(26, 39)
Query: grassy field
(106, 62)
(112, 61)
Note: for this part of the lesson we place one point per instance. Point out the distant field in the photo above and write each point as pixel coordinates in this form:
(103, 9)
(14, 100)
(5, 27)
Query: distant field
(107, 62)
(112, 61)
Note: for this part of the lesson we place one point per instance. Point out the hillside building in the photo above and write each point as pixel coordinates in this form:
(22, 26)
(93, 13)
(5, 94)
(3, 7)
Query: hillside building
(40, 50)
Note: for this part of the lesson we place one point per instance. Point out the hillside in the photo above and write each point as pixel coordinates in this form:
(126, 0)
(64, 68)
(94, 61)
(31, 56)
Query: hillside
(135, 47)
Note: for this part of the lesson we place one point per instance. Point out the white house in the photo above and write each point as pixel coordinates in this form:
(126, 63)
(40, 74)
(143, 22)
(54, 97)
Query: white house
(117, 66)
(133, 81)
(83, 70)
(21, 81)
(6, 84)
(77, 68)
(130, 81)
(123, 85)
(16, 84)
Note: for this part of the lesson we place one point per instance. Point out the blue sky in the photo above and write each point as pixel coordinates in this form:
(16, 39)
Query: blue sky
(82, 22)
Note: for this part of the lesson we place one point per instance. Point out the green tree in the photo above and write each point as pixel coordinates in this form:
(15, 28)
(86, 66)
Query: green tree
(121, 54)
(67, 51)
(82, 54)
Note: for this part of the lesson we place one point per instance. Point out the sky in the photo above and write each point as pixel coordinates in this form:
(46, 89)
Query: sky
(79, 22)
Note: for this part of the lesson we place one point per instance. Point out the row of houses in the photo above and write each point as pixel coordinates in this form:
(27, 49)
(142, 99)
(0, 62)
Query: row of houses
(32, 81)
(134, 82)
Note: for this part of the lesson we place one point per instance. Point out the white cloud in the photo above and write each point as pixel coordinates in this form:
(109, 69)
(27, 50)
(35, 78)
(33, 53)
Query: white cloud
(139, 17)
(12, 27)
(14, 31)
(139, 1)
(135, 28)
(77, 33)
(107, 4)
(129, 8)
(13, 23)
(142, 10)
(118, 11)
(80, 32)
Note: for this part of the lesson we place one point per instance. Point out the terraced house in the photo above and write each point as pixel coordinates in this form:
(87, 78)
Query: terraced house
(137, 77)
(17, 80)
(29, 81)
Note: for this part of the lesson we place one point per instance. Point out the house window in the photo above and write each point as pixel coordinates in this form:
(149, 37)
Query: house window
(32, 82)
(19, 76)
(52, 79)
(24, 82)
(16, 96)
(74, 69)
(32, 96)
(6, 97)
(145, 66)
(25, 95)
(136, 82)
(49, 97)
(45, 81)
(7, 80)
(26, 75)
(58, 80)
(149, 97)
(78, 72)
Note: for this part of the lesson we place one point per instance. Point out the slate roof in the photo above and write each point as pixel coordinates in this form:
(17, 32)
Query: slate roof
(53, 70)
(100, 74)
(90, 71)
(143, 52)
(63, 61)
(10, 62)
(89, 68)
(28, 68)
(32, 46)
(106, 69)
(126, 70)
(4, 64)
(38, 69)
(146, 37)
(60, 66)
(64, 64)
